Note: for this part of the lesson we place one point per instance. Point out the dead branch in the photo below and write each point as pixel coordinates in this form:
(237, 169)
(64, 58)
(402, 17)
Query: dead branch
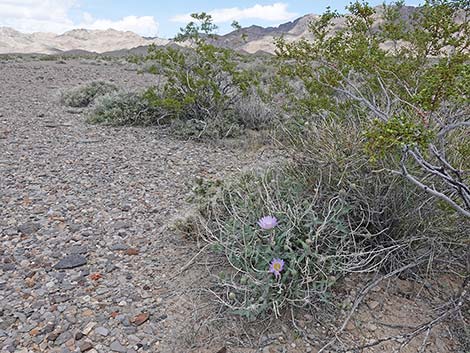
(455, 304)
(360, 297)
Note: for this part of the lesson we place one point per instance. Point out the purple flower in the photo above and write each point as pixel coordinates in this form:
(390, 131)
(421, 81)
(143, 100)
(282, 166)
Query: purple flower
(276, 267)
(267, 222)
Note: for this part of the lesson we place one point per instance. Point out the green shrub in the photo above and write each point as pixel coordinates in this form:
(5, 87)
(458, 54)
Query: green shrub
(85, 95)
(203, 84)
(124, 108)
(395, 133)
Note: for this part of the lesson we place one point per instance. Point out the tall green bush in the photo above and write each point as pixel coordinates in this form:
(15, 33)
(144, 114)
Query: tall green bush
(203, 85)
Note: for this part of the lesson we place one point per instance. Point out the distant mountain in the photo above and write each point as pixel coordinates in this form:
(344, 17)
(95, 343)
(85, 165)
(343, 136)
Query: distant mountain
(262, 38)
(116, 43)
(95, 41)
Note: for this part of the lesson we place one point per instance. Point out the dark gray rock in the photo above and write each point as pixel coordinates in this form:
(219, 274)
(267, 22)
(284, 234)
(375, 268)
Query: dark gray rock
(53, 336)
(118, 247)
(103, 331)
(78, 250)
(29, 228)
(62, 338)
(74, 227)
(71, 261)
(121, 225)
(8, 267)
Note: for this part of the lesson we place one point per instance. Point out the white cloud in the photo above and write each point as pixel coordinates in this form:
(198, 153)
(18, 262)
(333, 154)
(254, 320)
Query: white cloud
(54, 16)
(144, 25)
(36, 15)
(272, 13)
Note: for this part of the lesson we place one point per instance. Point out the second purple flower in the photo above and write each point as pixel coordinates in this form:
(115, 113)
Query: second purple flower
(276, 266)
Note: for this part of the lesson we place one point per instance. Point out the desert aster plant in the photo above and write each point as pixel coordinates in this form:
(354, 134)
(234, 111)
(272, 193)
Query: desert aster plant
(267, 222)
(276, 266)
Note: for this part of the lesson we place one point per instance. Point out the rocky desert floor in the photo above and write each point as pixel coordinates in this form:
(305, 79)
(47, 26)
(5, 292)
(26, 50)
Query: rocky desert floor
(88, 258)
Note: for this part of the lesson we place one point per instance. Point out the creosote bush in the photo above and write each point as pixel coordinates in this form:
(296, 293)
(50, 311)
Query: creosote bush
(85, 95)
(386, 136)
(408, 80)
(205, 85)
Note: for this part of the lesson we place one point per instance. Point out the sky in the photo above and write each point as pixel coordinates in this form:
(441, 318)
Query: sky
(153, 18)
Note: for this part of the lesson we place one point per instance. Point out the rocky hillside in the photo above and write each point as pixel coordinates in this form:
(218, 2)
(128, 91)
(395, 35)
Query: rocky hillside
(97, 41)
(262, 39)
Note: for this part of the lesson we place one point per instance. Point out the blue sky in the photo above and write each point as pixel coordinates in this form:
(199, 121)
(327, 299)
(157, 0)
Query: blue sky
(151, 17)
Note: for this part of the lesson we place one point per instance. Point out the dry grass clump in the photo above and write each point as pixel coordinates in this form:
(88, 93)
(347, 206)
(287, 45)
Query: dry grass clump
(123, 108)
(85, 95)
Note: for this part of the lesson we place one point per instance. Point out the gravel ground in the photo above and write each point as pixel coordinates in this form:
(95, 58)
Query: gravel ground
(86, 262)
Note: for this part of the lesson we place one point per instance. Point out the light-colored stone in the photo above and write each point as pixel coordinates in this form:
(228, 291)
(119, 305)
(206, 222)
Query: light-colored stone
(87, 329)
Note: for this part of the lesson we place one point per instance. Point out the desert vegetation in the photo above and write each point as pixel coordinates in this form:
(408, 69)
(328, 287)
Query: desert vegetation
(374, 117)
(85, 95)
(201, 92)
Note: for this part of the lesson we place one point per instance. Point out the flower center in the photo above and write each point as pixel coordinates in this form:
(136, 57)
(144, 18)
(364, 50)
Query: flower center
(277, 266)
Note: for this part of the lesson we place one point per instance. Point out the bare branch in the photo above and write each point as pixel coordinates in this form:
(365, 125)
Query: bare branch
(448, 128)
(432, 191)
(363, 294)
